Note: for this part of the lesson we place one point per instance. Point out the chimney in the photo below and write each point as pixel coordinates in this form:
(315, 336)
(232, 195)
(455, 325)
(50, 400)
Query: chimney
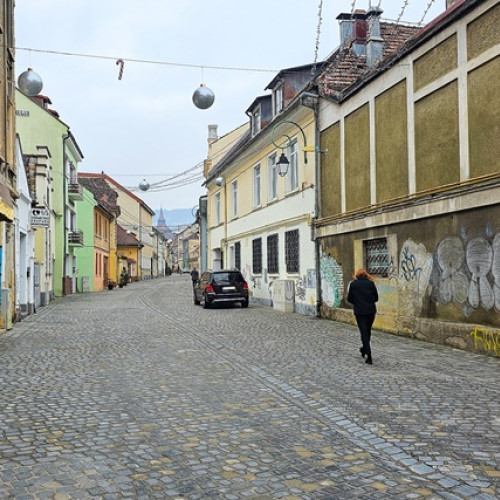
(353, 30)
(212, 133)
(375, 42)
(450, 3)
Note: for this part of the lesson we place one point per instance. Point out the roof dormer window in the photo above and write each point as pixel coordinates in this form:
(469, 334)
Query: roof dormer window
(277, 99)
(256, 120)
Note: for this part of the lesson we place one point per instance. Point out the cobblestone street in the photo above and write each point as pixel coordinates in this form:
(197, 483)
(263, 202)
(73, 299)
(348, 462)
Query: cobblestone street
(138, 393)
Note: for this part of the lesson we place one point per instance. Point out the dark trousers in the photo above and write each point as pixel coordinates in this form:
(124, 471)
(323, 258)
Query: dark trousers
(365, 329)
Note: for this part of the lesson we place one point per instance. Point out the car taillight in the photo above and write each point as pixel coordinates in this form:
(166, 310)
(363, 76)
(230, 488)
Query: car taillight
(245, 286)
(209, 288)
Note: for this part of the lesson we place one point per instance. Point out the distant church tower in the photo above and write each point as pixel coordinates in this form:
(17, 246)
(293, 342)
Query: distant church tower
(162, 226)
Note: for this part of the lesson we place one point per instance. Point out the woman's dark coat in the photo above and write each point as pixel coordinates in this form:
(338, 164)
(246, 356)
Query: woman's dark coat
(363, 295)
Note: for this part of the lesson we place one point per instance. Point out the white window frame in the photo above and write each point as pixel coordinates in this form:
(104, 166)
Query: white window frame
(292, 176)
(272, 176)
(257, 185)
(256, 120)
(234, 198)
(278, 99)
(217, 213)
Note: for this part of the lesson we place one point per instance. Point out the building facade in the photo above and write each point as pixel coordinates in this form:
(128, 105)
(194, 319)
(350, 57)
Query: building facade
(410, 188)
(260, 221)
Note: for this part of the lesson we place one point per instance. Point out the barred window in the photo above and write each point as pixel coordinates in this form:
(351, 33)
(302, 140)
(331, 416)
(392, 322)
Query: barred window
(272, 254)
(237, 255)
(376, 256)
(257, 255)
(292, 251)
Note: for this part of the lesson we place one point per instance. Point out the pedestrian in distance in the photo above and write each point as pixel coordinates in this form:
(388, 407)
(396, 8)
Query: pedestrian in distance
(195, 276)
(363, 295)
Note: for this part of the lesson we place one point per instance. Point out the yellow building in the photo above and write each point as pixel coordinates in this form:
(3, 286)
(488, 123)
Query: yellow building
(410, 188)
(259, 220)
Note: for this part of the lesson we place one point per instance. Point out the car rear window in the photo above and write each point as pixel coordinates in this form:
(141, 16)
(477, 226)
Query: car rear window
(221, 278)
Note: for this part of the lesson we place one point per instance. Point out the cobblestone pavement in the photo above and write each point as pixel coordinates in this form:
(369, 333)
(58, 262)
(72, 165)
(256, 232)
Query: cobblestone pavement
(138, 393)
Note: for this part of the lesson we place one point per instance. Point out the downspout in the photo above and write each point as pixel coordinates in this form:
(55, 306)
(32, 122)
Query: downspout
(65, 194)
(317, 245)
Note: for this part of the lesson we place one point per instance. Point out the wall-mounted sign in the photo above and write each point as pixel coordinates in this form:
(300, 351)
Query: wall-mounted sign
(39, 217)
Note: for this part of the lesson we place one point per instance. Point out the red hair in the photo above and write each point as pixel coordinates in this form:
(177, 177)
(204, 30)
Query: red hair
(362, 272)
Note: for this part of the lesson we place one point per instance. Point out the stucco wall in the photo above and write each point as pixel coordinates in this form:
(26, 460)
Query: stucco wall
(437, 138)
(484, 125)
(391, 143)
(330, 192)
(357, 158)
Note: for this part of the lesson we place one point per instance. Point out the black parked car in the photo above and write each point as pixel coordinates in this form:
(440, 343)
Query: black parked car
(226, 285)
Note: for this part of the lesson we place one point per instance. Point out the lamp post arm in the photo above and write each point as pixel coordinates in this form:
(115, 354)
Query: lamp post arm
(288, 138)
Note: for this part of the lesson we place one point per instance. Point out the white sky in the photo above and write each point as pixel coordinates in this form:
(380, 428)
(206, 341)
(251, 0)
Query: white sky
(145, 125)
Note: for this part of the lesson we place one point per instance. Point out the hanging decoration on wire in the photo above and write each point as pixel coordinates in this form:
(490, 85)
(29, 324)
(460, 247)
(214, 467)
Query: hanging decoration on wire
(203, 97)
(121, 63)
(30, 83)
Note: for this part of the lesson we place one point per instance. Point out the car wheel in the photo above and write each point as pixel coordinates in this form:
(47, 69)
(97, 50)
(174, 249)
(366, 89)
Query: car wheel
(244, 303)
(206, 303)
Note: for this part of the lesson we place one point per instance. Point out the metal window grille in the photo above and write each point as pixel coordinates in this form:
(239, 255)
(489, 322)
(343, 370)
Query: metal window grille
(237, 255)
(272, 254)
(292, 251)
(376, 256)
(257, 256)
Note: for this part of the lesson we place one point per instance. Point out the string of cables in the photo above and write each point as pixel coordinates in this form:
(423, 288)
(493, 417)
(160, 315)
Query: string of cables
(189, 176)
(318, 36)
(143, 61)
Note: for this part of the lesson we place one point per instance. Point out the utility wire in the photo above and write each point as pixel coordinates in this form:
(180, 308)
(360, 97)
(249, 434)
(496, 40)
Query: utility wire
(144, 61)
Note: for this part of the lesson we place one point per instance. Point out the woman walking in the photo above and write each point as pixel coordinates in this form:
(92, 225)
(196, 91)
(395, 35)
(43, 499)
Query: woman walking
(363, 295)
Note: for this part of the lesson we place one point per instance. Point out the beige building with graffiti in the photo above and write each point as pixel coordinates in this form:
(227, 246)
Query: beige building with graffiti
(410, 188)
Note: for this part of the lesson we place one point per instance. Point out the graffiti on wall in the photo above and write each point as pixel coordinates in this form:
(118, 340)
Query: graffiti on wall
(332, 284)
(486, 340)
(415, 265)
(453, 281)
(469, 273)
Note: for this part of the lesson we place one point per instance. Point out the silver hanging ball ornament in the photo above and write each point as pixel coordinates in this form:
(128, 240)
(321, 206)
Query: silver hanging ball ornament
(30, 83)
(144, 185)
(203, 97)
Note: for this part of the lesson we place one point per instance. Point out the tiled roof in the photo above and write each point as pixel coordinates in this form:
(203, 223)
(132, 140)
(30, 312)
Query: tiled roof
(103, 194)
(345, 67)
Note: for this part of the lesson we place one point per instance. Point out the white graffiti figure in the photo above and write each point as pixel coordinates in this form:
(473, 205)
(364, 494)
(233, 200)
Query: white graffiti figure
(416, 266)
(479, 257)
(495, 270)
(453, 283)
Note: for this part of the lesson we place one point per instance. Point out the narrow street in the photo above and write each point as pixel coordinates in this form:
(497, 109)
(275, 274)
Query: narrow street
(138, 393)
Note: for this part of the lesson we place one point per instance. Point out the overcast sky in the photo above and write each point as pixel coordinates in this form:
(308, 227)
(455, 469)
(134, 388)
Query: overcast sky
(146, 125)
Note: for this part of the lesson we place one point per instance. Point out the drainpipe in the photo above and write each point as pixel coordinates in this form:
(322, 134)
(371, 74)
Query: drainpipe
(65, 194)
(317, 246)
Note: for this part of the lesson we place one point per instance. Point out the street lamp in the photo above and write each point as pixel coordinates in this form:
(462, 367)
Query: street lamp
(282, 164)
